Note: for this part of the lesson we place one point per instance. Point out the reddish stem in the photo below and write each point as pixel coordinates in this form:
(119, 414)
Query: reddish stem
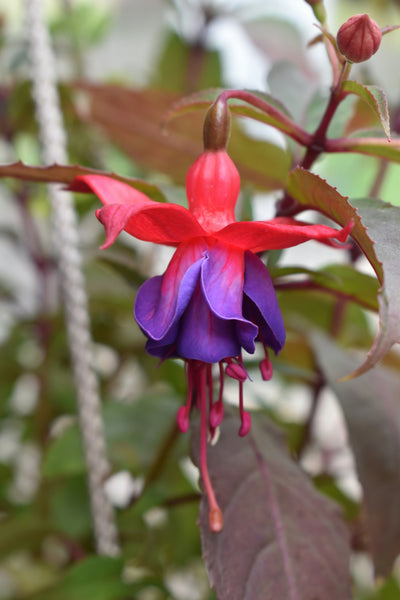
(311, 285)
(282, 122)
(318, 142)
(362, 145)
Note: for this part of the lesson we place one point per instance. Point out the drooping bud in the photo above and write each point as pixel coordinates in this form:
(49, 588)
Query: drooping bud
(217, 126)
(359, 38)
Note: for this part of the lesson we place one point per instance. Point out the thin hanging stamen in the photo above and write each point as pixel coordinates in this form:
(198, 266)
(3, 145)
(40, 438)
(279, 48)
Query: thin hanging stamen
(265, 365)
(217, 410)
(182, 416)
(244, 415)
(215, 517)
(236, 370)
(210, 386)
(221, 380)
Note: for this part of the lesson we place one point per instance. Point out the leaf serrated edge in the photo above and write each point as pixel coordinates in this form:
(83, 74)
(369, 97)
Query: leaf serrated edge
(376, 101)
(376, 351)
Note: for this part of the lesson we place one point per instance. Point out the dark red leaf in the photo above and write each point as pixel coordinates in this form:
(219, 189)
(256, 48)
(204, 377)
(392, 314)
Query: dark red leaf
(371, 408)
(281, 539)
(67, 173)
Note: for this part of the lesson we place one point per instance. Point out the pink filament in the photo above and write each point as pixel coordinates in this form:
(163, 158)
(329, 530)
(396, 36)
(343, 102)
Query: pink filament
(266, 368)
(215, 517)
(182, 417)
(244, 415)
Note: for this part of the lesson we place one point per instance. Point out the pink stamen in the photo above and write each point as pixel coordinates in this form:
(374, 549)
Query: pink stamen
(244, 415)
(217, 410)
(182, 417)
(236, 371)
(210, 387)
(266, 368)
(221, 381)
(246, 424)
(215, 517)
(216, 414)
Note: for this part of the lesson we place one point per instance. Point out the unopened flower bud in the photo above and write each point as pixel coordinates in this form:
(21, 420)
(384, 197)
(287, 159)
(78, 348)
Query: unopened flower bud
(359, 38)
(217, 126)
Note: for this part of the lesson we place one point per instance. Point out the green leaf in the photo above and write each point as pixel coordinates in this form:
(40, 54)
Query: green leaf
(67, 173)
(97, 577)
(350, 283)
(136, 431)
(69, 507)
(372, 412)
(375, 98)
(281, 538)
(343, 279)
(370, 146)
(183, 65)
(304, 309)
(376, 230)
(64, 456)
(22, 531)
(84, 24)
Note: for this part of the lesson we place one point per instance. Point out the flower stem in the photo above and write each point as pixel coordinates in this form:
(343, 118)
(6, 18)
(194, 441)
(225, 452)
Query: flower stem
(317, 145)
(280, 121)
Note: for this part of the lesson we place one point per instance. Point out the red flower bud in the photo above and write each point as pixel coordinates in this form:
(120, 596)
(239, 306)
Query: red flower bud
(359, 38)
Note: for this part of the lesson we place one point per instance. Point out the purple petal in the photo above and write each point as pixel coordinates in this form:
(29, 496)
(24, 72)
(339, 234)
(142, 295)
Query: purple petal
(165, 348)
(222, 275)
(261, 304)
(161, 300)
(203, 335)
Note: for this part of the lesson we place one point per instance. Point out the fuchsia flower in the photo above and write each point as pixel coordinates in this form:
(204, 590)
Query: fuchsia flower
(216, 296)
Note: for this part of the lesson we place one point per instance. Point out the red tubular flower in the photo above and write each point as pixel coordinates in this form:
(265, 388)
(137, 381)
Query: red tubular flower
(216, 296)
